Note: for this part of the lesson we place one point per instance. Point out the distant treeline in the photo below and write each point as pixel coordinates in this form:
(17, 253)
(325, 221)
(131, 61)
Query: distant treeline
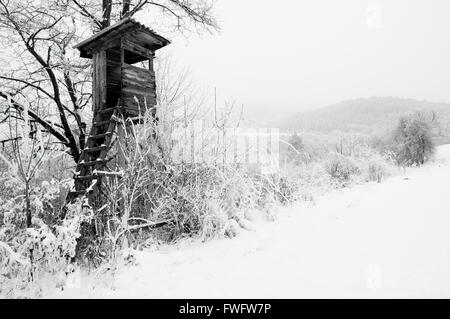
(371, 116)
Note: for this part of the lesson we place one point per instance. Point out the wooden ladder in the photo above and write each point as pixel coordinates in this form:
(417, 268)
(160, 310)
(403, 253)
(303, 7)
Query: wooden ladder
(92, 164)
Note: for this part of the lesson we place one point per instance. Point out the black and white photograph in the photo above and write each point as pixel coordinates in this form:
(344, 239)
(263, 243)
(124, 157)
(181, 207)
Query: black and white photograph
(224, 150)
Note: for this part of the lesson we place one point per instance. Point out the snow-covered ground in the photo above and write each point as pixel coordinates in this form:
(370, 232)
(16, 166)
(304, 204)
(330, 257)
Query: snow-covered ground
(373, 240)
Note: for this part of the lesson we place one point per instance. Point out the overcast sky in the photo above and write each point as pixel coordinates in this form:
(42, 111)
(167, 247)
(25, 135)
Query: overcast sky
(288, 55)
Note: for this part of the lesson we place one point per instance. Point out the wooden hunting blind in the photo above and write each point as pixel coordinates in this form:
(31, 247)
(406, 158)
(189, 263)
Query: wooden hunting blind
(117, 80)
(122, 88)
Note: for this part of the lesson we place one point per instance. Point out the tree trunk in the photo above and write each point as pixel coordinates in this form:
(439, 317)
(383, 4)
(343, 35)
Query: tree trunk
(106, 6)
(126, 7)
(28, 213)
(27, 203)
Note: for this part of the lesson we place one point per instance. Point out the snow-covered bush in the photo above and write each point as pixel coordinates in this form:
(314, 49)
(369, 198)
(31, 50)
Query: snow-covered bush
(377, 169)
(411, 143)
(341, 168)
(312, 180)
(41, 253)
(277, 189)
(156, 197)
(185, 200)
(43, 247)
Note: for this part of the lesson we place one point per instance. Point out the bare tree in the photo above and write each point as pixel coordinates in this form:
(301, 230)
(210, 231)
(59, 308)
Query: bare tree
(39, 63)
(28, 153)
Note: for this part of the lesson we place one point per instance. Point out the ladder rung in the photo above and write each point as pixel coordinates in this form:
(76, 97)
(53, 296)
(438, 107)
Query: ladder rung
(87, 177)
(136, 119)
(91, 163)
(98, 175)
(100, 135)
(107, 110)
(103, 173)
(101, 123)
(112, 119)
(78, 193)
(95, 149)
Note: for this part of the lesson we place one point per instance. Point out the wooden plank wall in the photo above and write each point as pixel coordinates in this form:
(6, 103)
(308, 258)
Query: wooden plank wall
(114, 77)
(137, 83)
(99, 80)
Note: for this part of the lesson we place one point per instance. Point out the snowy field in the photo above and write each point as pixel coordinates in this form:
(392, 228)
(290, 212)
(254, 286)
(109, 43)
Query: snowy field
(372, 240)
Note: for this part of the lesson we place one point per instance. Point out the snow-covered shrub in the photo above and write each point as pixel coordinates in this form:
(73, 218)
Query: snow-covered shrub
(348, 143)
(46, 202)
(216, 222)
(341, 168)
(41, 253)
(411, 143)
(311, 179)
(186, 200)
(27, 254)
(377, 169)
(276, 189)
(156, 199)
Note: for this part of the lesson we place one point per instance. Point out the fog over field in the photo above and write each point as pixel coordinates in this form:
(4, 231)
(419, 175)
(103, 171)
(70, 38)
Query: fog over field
(282, 58)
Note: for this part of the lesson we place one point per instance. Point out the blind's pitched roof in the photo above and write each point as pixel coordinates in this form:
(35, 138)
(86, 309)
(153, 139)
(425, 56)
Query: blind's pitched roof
(148, 37)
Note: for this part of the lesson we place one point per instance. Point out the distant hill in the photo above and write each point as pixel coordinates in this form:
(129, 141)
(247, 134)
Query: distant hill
(365, 115)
